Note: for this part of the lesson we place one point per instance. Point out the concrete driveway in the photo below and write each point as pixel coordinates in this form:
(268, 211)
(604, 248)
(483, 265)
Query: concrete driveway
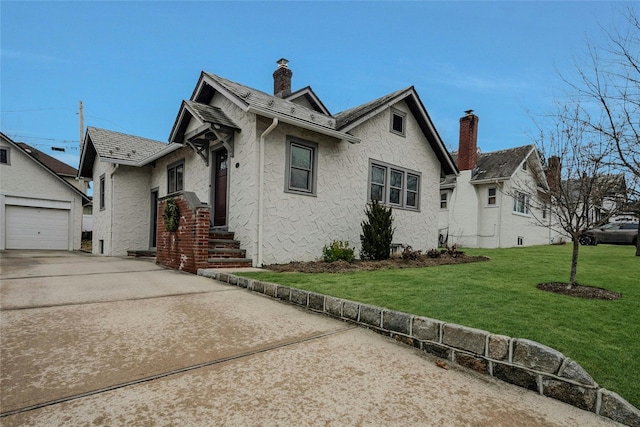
(91, 340)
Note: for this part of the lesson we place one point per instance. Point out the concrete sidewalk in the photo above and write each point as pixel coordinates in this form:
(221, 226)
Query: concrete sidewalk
(109, 341)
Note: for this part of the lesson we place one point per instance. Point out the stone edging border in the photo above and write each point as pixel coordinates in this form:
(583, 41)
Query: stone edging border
(517, 361)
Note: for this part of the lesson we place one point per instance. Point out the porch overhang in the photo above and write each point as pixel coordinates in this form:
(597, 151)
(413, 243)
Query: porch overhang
(213, 126)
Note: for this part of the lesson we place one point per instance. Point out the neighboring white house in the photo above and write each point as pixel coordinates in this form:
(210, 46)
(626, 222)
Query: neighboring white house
(38, 208)
(69, 174)
(497, 199)
(279, 170)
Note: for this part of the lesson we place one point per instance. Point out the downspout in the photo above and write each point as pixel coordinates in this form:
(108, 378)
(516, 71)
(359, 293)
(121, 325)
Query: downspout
(500, 207)
(117, 165)
(261, 189)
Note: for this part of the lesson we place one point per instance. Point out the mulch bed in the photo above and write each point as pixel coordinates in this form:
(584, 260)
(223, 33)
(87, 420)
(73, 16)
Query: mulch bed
(579, 291)
(360, 265)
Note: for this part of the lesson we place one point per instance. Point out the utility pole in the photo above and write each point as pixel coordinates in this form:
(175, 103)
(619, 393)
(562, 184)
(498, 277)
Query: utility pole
(81, 114)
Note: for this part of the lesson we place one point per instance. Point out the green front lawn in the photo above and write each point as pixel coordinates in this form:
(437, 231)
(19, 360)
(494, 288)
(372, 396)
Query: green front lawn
(500, 296)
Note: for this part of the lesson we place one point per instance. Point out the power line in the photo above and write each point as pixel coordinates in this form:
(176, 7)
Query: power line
(64, 141)
(35, 109)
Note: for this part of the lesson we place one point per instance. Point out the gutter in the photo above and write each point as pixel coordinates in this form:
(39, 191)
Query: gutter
(260, 229)
(305, 125)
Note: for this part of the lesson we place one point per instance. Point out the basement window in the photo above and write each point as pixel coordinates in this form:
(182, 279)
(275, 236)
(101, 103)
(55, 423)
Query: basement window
(398, 122)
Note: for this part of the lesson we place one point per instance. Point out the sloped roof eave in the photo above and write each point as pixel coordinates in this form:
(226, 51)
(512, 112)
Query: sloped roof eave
(46, 168)
(305, 125)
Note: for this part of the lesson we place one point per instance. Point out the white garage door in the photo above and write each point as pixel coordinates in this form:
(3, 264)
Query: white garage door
(36, 228)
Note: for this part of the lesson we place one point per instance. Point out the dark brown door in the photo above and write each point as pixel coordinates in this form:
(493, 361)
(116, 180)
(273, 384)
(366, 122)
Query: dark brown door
(154, 217)
(220, 189)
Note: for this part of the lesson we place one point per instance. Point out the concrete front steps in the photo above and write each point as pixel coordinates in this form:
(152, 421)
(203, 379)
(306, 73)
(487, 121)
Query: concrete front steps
(225, 252)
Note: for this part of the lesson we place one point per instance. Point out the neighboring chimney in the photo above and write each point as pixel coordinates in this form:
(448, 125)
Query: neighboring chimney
(552, 171)
(282, 79)
(468, 143)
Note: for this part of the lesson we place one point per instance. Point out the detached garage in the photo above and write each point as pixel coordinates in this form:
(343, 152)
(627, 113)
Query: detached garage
(38, 209)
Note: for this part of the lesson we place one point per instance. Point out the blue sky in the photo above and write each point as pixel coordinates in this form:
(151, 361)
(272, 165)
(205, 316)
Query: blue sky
(132, 63)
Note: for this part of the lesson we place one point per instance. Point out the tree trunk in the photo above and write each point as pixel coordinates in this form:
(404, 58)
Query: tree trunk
(574, 263)
(638, 241)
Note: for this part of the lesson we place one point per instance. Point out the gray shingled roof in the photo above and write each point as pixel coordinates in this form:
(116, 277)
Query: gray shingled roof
(261, 100)
(348, 116)
(498, 164)
(123, 147)
(210, 114)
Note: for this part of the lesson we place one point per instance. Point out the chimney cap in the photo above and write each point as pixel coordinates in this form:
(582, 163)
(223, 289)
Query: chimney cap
(283, 63)
(468, 112)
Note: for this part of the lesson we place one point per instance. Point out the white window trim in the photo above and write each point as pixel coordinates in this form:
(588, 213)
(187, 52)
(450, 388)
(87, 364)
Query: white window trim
(527, 204)
(8, 151)
(314, 167)
(489, 205)
(401, 114)
(406, 172)
(446, 200)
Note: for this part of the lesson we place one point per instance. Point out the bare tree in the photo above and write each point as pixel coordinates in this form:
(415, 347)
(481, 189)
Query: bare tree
(608, 87)
(576, 169)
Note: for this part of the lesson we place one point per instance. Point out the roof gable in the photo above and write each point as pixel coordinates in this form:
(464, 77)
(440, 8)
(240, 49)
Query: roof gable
(353, 117)
(115, 147)
(203, 113)
(36, 161)
(500, 164)
(255, 101)
(307, 95)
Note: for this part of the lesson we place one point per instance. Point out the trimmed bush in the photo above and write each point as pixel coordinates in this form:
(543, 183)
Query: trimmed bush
(377, 232)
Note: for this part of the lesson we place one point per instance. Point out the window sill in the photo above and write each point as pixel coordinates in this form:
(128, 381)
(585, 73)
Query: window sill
(522, 214)
(399, 208)
(300, 193)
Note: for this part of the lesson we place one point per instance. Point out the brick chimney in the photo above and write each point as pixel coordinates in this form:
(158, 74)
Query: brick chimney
(282, 79)
(468, 142)
(552, 172)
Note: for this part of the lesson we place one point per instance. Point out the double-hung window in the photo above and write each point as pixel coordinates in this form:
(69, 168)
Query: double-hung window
(175, 177)
(443, 200)
(394, 186)
(302, 165)
(521, 203)
(492, 197)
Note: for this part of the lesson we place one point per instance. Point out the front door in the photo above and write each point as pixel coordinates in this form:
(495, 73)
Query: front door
(220, 188)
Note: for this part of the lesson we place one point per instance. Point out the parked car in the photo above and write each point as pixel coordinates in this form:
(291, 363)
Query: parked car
(625, 233)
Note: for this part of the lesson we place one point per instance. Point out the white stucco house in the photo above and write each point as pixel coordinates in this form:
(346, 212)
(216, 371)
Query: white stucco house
(497, 200)
(39, 209)
(278, 170)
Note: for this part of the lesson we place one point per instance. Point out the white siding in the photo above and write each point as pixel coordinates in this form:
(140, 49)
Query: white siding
(102, 216)
(471, 222)
(131, 201)
(24, 178)
(298, 226)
